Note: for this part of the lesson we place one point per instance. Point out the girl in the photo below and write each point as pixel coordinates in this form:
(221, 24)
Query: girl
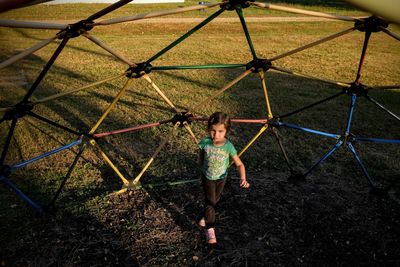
(215, 154)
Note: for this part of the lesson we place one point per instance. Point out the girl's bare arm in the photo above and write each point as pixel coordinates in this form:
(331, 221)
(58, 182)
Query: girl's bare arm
(242, 171)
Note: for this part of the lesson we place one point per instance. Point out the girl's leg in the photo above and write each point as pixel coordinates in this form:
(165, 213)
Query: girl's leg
(218, 190)
(210, 201)
(212, 192)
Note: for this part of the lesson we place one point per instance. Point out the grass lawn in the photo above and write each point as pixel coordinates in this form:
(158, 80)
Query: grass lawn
(82, 62)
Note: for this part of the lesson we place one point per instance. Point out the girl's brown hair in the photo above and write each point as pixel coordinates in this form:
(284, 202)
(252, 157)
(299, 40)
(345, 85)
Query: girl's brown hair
(220, 118)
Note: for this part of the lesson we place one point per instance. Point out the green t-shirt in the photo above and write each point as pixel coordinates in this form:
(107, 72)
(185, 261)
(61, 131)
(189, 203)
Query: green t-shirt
(216, 158)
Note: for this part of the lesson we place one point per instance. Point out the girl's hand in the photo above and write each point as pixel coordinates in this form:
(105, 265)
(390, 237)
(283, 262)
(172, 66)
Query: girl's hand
(244, 183)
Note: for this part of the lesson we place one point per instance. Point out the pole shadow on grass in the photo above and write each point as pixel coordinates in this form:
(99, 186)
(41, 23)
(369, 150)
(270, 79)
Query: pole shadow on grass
(156, 221)
(23, 33)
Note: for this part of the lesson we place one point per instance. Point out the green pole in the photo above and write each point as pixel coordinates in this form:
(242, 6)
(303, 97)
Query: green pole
(186, 35)
(176, 183)
(239, 11)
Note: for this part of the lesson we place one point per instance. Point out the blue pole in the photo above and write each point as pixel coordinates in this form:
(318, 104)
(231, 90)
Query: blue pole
(351, 111)
(333, 149)
(24, 163)
(293, 126)
(364, 170)
(21, 194)
(377, 140)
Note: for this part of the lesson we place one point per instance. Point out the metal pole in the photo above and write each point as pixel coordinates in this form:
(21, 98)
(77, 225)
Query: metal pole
(358, 159)
(46, 69)
(52, 123)
(239, 11)
(186, 35)
(328, 154)
(8, 140)
(70, 169)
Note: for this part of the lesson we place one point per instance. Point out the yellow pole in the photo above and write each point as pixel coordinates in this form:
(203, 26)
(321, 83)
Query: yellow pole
(265, 127)
(309, 76)
(53, 97)
(119, 192)
(392, 34)
(302, 11)
(223, 89)
(121, 92)
(187, 127)
(156, 14)
(163, 96)
(161, 146)
(26, 52)
(32, 24)
(107, 48)
(109, 162)
(264, 86)
(323, 40)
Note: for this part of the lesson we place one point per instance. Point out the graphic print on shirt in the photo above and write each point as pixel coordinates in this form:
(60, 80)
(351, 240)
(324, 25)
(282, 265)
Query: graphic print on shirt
(216, 160)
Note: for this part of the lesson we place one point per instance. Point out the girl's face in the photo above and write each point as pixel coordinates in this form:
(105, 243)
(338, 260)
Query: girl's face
(217, 133)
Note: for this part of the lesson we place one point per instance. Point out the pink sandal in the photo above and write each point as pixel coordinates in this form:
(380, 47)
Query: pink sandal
(210, 236)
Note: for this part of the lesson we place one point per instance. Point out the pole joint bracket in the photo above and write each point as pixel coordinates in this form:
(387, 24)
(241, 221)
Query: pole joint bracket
(356, 88)
(259, 64)
(76, 29)
(138, 70)
(183, 118)
(19, 110)
(371, 24)
(5, 171)
(233, 4)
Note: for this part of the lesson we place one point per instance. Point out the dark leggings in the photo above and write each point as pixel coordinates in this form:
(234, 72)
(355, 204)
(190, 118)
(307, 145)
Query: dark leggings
(212, 193)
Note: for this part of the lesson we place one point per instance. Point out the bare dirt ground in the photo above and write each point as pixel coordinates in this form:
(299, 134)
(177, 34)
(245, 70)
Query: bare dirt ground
(324, 221)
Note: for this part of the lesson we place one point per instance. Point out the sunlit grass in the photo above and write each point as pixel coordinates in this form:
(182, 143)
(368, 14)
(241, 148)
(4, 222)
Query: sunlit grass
(68, 11)
(82, 62)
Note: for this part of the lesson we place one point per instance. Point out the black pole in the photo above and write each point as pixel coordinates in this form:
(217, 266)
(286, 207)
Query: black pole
(8, 141)
(382, 107)
(311, 105)
(67, 176)
(108, 9)
(46, 69)
(53, 123)
(275, 131)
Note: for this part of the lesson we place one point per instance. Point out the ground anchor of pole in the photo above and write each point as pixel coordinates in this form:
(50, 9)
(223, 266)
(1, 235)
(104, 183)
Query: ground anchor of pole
(295, 175)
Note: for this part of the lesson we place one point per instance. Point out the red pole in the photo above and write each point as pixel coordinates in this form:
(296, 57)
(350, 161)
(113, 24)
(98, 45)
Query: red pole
(236, 120)
(131, 129)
